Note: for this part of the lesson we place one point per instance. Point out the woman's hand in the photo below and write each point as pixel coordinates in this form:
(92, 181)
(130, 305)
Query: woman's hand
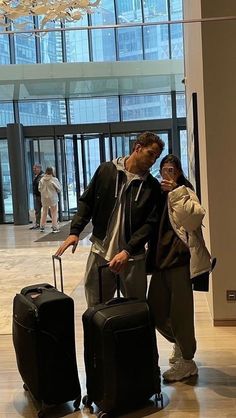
(168, 185)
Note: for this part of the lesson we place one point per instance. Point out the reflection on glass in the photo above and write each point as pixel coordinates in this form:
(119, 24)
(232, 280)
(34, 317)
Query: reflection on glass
(156, 42)
(25, 50)
(51, 44)
(81, 173)
(94, 110)
(106, 15)
(155, 170)
(77, 48)
(176, 10)
(176, 35)
(103, 45)
(6, 113)
(139, 107)
(4, 48)
(184, 151)
(129, 11)
(155, 10)
(92, 156)
(130, 44)
(6, 180)
(70, 174)
(44, 112)
(180, 105)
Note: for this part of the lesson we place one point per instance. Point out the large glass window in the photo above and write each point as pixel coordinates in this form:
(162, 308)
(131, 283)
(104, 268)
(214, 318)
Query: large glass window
(130, 44)
(156, 42)
(77, 45)
(6, 113)
(42, 112)
(51, 44)
(25, 50)
(180, 105)
(155, 10)
(129, 11)
(4, 48)
(94, 110)
(146, 107)
(103, 45)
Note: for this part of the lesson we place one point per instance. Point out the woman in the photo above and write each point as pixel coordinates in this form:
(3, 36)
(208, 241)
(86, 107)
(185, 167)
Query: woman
(49, 187)
(179, 255)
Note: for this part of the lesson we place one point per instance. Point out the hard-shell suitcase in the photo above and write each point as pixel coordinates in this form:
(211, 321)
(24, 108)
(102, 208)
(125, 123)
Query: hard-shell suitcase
(121, 357)
(44, 342)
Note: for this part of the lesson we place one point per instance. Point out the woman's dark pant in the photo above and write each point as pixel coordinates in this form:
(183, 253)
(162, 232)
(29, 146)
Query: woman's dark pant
(170, 298)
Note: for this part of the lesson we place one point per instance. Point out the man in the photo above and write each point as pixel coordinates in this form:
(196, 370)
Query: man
(121, 200)
(37, 170)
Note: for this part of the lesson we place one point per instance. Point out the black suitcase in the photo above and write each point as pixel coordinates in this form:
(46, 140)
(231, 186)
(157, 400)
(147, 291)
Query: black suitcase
(121, 357)
(44, 342)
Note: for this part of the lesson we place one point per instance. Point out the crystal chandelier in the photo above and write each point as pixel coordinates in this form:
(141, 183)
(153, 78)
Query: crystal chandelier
(51, 10)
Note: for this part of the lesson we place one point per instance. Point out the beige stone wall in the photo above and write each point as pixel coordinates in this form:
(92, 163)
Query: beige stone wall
(210, 67)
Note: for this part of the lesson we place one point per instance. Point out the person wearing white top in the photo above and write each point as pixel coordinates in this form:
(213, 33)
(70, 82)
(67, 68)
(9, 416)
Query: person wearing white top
(49, 187)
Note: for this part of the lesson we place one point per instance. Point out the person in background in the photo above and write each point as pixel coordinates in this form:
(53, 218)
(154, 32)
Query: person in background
(178, 255)
(121, 200)
(49, 187)
(38, 173)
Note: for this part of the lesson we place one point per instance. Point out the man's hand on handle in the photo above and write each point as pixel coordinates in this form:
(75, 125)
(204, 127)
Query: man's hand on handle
(70, 240)
(119, 261)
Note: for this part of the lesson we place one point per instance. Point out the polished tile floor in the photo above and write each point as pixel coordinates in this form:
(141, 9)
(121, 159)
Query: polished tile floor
(211, 394)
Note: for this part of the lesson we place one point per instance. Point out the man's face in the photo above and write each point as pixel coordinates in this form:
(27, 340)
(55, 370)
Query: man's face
(36, 170)
(147, 156)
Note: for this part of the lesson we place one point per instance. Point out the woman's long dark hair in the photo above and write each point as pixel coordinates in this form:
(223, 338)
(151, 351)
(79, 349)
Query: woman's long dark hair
(182, 180)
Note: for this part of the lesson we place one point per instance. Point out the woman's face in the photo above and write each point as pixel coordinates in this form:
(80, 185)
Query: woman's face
(170, 172)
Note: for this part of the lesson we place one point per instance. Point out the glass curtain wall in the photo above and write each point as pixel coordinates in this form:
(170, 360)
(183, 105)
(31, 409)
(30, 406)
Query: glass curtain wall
(156, 42)
(76, 157)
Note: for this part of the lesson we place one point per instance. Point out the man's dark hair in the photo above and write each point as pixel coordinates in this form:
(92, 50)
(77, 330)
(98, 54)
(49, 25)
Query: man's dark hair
(148, 138)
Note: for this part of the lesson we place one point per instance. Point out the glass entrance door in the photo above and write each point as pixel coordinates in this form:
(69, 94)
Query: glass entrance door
(6, 206)
(75, 158)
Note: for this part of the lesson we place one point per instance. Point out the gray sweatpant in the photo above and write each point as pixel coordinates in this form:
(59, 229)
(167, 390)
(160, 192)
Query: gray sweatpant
(170, 297)
(133, 280)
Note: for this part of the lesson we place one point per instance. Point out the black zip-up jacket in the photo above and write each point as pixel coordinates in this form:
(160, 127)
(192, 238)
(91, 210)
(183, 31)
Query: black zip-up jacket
(36, 181)
(99, 199)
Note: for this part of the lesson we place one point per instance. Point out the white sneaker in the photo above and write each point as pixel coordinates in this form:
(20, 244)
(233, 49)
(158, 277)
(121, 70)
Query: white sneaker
(42, 229)
(175, 355)
(181, 370)
(55, 230)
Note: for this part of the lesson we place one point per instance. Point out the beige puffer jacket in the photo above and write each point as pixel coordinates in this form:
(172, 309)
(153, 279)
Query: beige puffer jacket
(186, 215)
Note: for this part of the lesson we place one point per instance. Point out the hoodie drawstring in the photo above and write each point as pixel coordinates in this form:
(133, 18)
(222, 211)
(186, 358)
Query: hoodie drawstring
(138, 192)
(117, 184)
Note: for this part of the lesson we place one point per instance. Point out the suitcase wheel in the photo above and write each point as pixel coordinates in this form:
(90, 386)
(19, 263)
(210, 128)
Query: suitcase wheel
(25, 387)
(103, 415)
(86, 401)
(159, 398)
(76, 404)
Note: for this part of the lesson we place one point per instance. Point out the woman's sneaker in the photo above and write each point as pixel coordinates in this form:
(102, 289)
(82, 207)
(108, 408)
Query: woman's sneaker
(55, 230)
(42, 229)
(182, 369)
(175, 355)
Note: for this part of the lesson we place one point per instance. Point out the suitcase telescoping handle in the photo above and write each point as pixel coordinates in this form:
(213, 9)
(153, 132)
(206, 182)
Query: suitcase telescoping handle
(55, 257)
(100, 269)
